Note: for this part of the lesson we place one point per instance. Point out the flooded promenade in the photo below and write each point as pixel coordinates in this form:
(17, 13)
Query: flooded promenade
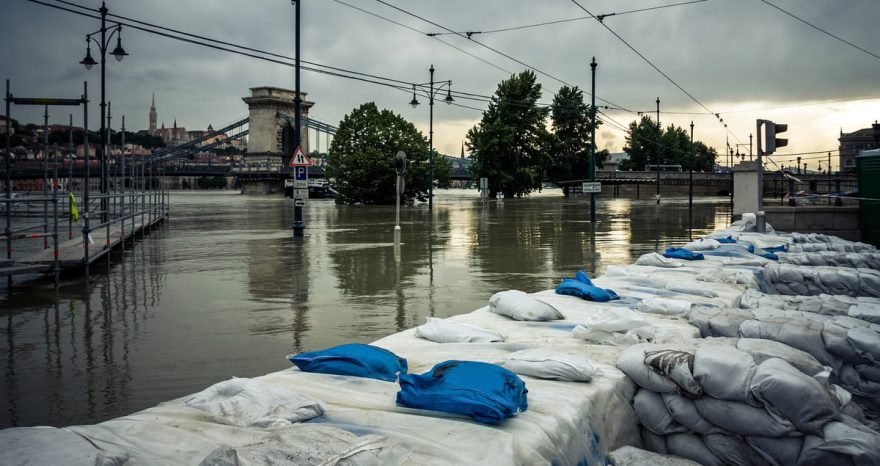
(223, 289)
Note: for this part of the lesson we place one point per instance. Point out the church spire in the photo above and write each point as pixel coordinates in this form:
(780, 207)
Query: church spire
(153, 115)
(153, 105)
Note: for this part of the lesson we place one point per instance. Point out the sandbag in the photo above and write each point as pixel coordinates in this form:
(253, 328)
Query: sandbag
(774, 383)
(547, 364)
(803, 335)
(657, 260)
(866, 312)
(252, 403)
(664, 306)
(727, 322)
(733, 450)
(685, 413)
(307, 444)
(761, 350)
(632, 362)
(519, 305)
(27, 446)
(724, 372)
(354, 359)
(652, 441)
(584, 291)
(485, 392)
(841, 444)
(654, 416)
(695, 289)
(691, 446)
(866, 342)
(448, 331)
(632, 456)
(741, 418)
(702, 244)
(610, 325)
(681, 253)
(677, 366)
(778, 451)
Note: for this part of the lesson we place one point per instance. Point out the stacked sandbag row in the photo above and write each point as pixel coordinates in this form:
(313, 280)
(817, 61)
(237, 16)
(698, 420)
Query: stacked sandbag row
(836, 247)
(855, 260)
(797, 280)
(862, 307)
(743, 402)
(850, 347)
(814, 238)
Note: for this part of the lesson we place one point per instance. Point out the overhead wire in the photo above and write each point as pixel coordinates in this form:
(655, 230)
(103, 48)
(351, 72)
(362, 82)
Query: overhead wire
(822, 30)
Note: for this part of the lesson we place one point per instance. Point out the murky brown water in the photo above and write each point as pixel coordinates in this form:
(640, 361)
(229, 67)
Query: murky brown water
(223, 289)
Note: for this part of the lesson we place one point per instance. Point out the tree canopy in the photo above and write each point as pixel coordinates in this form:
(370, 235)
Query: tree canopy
(361, 158)
(572, 124)
(675, 147)
(510, 143)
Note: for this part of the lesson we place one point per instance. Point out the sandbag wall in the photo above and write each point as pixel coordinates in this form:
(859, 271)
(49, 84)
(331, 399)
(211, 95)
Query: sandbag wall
(730, 401)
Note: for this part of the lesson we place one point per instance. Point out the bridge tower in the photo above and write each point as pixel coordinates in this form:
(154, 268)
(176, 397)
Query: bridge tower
(270, 109)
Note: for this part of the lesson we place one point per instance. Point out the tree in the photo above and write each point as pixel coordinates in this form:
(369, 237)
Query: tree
(510, 143)
(571, 121)
(361, 158)
(675, 147)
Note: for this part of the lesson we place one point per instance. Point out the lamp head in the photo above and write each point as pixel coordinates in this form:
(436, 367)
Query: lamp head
(449, 98)
(414, 103)
(88, 61)
(119, 52)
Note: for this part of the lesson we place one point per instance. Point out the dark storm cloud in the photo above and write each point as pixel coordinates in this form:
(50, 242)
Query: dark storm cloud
(721, 51)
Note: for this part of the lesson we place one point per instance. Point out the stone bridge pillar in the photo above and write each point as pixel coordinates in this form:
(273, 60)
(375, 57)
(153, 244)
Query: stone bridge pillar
(268, 106)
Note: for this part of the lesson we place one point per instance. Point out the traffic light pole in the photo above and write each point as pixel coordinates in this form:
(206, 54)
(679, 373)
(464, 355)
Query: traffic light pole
(760, 159)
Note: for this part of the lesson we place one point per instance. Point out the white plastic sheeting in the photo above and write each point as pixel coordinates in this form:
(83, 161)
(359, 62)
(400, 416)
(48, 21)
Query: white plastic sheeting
(547, 364)
(449, 331)
(800, 280)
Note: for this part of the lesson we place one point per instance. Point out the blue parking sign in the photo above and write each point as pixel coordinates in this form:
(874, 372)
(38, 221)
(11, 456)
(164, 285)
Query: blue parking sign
(300, 173)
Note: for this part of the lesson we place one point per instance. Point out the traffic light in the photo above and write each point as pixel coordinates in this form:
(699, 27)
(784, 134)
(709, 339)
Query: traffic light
(771, 142)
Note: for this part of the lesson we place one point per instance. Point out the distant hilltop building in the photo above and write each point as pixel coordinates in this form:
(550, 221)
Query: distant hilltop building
(179, 135)
(852, 143)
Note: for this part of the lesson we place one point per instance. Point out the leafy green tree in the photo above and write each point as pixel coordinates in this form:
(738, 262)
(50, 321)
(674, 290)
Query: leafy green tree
(641, 144)
(675, 147)
(510, 144)
(571, 121)
(361, 158)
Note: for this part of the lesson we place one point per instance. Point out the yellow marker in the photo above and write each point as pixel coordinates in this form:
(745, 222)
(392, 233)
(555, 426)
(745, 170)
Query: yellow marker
(74, 214)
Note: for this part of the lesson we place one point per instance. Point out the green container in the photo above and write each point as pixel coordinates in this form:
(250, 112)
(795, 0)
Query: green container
(868, 167)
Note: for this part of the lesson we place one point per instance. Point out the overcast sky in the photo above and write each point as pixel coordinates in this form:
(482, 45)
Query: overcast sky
(743, 59)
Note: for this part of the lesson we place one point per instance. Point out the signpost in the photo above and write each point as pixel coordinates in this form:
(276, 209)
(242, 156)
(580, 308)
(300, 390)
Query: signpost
(589, 187)
(300, 163)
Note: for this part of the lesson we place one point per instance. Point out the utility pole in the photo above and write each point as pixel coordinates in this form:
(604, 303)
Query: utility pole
(691, 187)
(298, 225)
(593, 142)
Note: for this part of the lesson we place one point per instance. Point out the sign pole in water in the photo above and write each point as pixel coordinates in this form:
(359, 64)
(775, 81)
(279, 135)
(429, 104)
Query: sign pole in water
(400, 167)
(300, 164)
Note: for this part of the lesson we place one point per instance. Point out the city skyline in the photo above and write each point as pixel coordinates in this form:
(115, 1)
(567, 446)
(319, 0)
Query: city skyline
(732, 57)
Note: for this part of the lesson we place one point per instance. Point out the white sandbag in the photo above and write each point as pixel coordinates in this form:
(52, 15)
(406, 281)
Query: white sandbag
(778, 451)
(519, 305)
(761, 350)
(677, 366)
(654, 416)
(703, 244)
(664, 306)
(836, 342)
(866, 342)
(48, 445)
(652, 441)
(691, 446)
(448, 331)
(733, 450)
(632, 362)
(803, 335)
(741, 418)
(632, 456)
(774, 383)
(842, 444)
(657, 260)
(865, 311)
(700, 316)
(610, 326)
(727, 322)
(724, 372)
(695, 289)
(685, 412)
(307, 444)
(547, 364)
(252, 403)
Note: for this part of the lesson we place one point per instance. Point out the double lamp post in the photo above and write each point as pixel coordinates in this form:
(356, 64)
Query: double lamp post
(118, 53)
(415, 103)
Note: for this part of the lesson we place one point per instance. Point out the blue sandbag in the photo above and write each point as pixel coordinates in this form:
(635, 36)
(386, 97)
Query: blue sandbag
(583, 278)
(353, 359)
(682, 253)
(593, 293)
(485, 392)
(780, 248)
(728, 240)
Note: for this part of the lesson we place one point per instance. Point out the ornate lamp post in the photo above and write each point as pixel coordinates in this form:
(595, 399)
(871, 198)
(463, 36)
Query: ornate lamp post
(415, 103)
(118, 53)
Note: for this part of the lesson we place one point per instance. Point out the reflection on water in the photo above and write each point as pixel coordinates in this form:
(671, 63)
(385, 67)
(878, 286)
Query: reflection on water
(223, 289)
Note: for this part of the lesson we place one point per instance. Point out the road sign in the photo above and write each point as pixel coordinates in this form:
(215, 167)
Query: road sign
(299, 159)
(301, 172)
(591, 187)
(299, 203)
(300, 193)
(300, 184)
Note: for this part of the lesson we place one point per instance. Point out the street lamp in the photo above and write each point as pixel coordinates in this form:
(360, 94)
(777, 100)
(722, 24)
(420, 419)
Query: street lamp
(119, 53)
(415, 103)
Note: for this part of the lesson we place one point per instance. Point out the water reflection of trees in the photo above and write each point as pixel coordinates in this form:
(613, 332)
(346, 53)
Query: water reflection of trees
(68, 354)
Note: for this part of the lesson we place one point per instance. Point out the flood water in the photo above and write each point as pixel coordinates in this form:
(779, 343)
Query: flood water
(223, 289)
